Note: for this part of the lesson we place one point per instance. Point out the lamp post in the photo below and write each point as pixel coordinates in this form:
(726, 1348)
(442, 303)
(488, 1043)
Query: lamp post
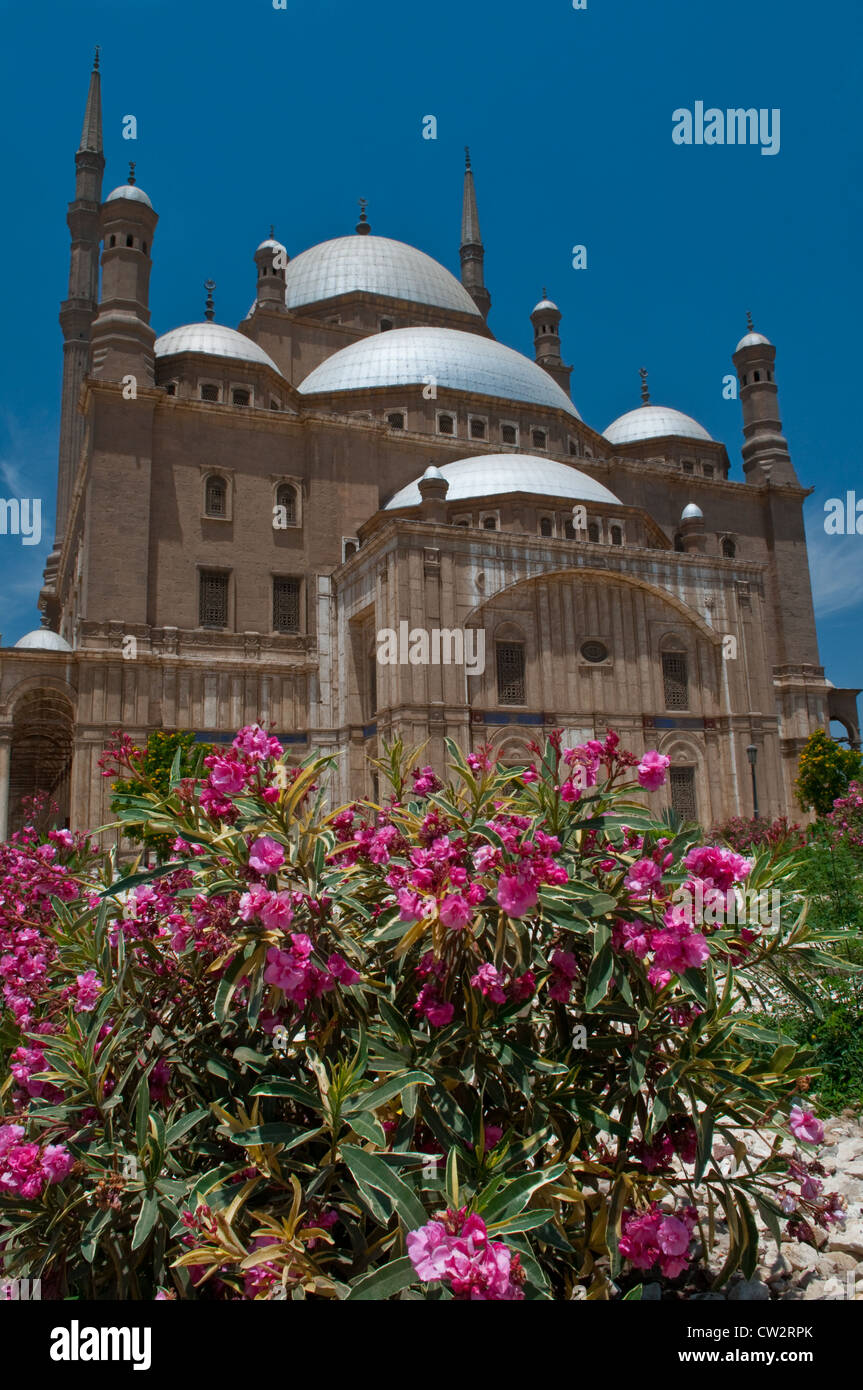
(752, 755)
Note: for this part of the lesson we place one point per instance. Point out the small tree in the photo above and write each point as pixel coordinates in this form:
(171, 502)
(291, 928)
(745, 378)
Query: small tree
(159, 753)
(826, 770)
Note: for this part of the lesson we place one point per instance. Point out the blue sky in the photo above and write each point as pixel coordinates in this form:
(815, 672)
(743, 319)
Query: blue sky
(249, 115)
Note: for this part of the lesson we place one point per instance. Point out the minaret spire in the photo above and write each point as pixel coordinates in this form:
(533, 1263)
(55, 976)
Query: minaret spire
(77, 313)
(472, 250)
(91, 133)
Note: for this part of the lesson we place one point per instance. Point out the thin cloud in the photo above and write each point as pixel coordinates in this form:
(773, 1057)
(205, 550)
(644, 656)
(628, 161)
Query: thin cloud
(836, 565)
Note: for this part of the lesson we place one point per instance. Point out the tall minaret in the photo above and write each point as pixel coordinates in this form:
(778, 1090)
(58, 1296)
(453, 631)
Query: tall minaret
(765, 450)
(472, 250)
(78, 311)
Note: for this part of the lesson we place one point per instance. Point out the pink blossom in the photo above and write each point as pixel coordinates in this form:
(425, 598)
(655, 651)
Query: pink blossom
(516, 893)
(56, 1162)
(266, 855)
(488, 981)
(227, 777)
(643, 876)
(341, 971)
(455, 911)
(89, 989)
(805, 1127)
(652, 770)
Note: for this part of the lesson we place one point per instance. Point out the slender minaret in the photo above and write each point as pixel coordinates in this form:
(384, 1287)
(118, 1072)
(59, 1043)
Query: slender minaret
(546, 341)
(271, 259)
(765, 450)
(78, 311)
(472, 250)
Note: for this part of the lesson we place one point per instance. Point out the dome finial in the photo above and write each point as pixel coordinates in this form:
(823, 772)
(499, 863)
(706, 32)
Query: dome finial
(132, 173)
(467, 157)
(749, 324)
(272, 231)
(96, 59)
(544, 292)
(210, 311)
(645, 391)
(363, 227)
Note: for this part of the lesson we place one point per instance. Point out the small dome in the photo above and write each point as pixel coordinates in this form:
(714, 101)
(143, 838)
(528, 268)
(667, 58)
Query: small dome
(214, 339)
(373, 265)
(434, 472)
(271, 245)
(692, 513)
(544, 305)
(44, 640)
(654, 422)
(494, 475)
(130, 191)
(458, 361)
(753, 340)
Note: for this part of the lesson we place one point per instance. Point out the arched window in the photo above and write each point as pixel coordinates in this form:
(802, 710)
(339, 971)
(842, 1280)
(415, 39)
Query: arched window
(113, 241)
(729, 548)
(477, 428)
(209, 391)
(540, 439)
(130, 241)
(616, 536)
(756, 376)
(545, 526)
(386, 325)
(445, 424)
(593, 532)
(241, 396)
(286, 496)
(508, 434)
(489, 523)
(678, 542)
(216, 496)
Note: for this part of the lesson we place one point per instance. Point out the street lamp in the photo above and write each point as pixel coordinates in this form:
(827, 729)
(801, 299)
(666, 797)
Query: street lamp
(752, 755)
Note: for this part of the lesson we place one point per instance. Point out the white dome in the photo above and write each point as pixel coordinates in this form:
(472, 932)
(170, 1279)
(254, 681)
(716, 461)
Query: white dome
(692, 513)
(129, 190)
(271, 245)
(215, 339)
(492, 475)
(545, 304)
(753, 340)
(458, 361)
(373, 265)
(44, 640)
(653, 422)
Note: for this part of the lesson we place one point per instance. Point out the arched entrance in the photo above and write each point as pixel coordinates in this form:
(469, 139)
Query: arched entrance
(40, 760)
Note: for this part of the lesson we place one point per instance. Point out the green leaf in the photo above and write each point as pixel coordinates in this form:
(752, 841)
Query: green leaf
(376, 1096)
(514, 1197)
(527, 1221)
(600, 970)
(367, 1126)
(384, 1282)
(369, 1172)
(275, 1086)
(142, 1112)
(289, 1135)
(146, 1221)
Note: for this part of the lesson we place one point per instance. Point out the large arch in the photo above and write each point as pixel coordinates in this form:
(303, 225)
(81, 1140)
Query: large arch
(40, 757)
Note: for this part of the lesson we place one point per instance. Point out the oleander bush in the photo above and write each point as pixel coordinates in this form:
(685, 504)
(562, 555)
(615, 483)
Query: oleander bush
(472, 1043)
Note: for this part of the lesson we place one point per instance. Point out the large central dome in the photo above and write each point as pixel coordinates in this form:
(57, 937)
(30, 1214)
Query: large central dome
(373, 265)
(457, 361)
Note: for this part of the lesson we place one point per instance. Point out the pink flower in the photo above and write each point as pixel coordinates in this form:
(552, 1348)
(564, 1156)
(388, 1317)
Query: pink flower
(429, 1249)
(523, 987)
(805, 1127)
(488, 981)
(227, 777)
(455, 911)
(266, 855)
(642, 877)
(722, 868)
(410, 905)
(457, 1251)
(652, 770)
(56, 1162)
(276, 912)
(89, 989)
(341, 971)
(256, 743)
(516, 893)
(564, 971)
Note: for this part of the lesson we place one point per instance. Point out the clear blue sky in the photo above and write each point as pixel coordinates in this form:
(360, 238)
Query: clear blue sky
(249, 115)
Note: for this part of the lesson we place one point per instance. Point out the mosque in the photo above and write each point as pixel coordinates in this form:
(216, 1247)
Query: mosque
(242, 511)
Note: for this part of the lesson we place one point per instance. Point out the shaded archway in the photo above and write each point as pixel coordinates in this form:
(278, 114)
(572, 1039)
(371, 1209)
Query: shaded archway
(41, 755)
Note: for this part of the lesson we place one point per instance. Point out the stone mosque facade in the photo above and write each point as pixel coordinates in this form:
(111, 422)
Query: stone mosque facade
(242, 512)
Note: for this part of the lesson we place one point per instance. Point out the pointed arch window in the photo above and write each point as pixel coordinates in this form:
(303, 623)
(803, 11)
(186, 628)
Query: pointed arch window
(729, 548)
(286, 497)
